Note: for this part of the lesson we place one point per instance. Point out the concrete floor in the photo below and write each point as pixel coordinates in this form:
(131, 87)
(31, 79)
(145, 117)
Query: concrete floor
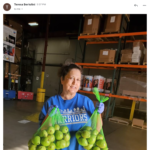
(16, 135)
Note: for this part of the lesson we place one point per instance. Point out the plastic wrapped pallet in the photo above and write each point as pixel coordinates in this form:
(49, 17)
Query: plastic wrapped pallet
(133, 82)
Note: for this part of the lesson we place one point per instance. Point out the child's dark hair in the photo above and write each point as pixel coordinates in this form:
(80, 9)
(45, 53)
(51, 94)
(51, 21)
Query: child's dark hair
(66, 68)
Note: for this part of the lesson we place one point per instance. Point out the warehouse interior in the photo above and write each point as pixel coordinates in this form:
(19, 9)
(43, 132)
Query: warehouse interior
(82, 39)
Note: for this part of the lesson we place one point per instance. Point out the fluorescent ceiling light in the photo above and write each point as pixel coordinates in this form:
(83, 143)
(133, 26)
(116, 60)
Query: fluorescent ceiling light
(33, 24)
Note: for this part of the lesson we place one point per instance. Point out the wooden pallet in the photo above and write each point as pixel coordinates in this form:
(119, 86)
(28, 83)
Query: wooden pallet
(119, 120)
(144, 63)
(129, 63)
(110, 32)
(99, 62)
(81, 34)
(144, 127)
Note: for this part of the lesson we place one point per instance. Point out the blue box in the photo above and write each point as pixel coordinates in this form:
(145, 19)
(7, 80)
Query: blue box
(9, 94)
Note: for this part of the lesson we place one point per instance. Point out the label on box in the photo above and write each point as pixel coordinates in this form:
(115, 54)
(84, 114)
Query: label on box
(89, 21)
(105, 52)
(112, 19)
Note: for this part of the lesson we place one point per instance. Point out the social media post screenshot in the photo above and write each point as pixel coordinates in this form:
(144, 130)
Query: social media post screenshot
(74, 75)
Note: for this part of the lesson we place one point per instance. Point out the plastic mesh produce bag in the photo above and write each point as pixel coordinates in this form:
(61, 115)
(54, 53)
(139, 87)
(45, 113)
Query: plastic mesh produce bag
(53, 133)
(91, 135)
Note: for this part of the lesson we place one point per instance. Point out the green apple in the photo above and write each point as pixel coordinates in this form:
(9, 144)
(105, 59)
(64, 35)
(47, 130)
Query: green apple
(57, 127)
(51, 146)
(58, 135)
(87, 128)
(45, 141)
(96, 148)
(92, 139)
(99, 137)
(64, 129)
(78, 134)
(86, 134)
(101, 144)
(51, 130)
(51, 138)
(43, 133)
(67, 143)
(83, 141)
(94, 132)
(32, 147)
(41, 148)
(36, 140)
(88, 147)
(61, 144)
(66, 136)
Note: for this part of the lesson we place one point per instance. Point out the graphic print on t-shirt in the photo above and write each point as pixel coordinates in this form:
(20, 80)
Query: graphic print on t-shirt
(75, 116)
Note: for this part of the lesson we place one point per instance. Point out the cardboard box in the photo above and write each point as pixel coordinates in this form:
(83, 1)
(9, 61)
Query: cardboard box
(137, 51)
(126, 51)
(137, 122)
(136, 60)
(138, 45)
(113, 23)
(14, 69)
(126, 57)
(16, 26)
(6, 69)
(136, 56)
(17, 55)
(91, 24)
(145, 57)
(107, 55)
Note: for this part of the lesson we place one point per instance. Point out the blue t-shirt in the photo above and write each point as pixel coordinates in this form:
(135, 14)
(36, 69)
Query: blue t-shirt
(77, 111)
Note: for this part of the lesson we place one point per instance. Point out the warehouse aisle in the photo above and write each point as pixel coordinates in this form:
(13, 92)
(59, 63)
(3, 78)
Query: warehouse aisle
(16, 135)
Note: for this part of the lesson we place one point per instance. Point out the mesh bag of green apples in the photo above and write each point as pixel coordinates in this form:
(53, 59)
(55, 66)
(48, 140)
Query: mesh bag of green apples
(53, 133)
(91, 135)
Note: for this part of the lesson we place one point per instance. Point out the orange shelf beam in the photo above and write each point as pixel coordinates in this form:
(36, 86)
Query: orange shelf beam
(88, 92)
(95, 65)
(112, 35)
(114, 42)
(130, 66)
(86, 67)
(107, 68)
(129, 98)
(116, 96)
(112, 65)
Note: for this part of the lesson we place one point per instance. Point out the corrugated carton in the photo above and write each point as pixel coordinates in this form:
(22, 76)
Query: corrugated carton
(107, 55)
(91, 24)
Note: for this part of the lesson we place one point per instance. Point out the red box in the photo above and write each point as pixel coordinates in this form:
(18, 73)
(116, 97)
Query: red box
(25, 95)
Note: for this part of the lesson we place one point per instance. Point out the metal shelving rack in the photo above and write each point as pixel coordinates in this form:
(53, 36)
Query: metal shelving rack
(110, 39)
(28, 58)
(18, 63)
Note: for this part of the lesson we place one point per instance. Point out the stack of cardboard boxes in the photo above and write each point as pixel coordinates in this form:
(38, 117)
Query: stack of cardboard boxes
(134, 55)
(138, 52)
(93, 24)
